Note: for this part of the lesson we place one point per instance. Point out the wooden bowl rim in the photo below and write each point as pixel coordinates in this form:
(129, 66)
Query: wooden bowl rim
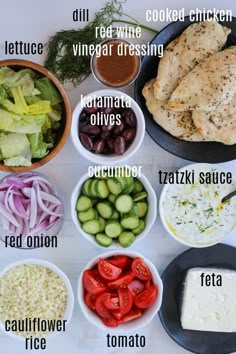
(68, 113)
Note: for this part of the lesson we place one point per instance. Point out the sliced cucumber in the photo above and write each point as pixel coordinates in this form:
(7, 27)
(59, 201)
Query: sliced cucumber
(104, 209)
(87, 215)
(112, 198)
(130, 222)
(130, 183)
(140, 227)
(113, 228)
(102, 190)
(138, 186)
(126, 238)
(83, 203)
(114, 186)
(91, 227)
(102, 223)
(124, 203)
(93, 188)
(115, 215)
(86, 187)
(142, 209)
(140, 196)
(103, 240)
(123, 183)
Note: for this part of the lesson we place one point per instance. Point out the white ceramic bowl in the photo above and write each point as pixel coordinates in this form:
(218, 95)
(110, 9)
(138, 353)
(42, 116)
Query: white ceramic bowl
(63, 276)
(136, 324)
(108, 159)
(150, 217)
(185, 242)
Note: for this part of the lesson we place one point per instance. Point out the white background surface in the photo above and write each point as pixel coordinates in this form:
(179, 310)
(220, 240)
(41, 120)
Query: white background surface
(35, 21)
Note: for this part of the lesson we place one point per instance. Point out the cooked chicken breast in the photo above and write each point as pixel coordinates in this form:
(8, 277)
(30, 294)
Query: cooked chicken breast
(218, 125)
(209, 86)
(197, 42)
(177, 124)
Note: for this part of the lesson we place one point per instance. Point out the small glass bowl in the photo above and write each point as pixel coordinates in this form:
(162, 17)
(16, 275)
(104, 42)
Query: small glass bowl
(53, 231)
(99, 78)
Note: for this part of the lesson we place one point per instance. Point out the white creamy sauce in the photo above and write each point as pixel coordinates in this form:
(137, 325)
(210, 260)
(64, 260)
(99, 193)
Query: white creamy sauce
(194, 212)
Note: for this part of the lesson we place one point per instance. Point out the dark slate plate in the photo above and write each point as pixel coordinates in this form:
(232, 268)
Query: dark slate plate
(219, 256)
(198, 152)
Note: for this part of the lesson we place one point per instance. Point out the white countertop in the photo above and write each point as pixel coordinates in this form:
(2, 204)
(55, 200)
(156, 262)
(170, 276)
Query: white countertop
(33, 21)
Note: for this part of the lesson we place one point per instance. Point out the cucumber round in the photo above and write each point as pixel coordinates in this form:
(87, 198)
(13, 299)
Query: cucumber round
(124, 203)
(91, 227)
(104, 209)
(140, 196)
(113, 228)
(103, 240)
(140, 227)
(142, 209)
(86, 187)
(130, 222)
(102, 223)
(102, 189)
(87, 215)
(112, 198)
(83, 203)
(138, 186)
(126, 239)
(93, 188)
(114, 186)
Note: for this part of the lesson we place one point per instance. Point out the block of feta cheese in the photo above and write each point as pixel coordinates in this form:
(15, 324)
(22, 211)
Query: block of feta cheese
(208, 307)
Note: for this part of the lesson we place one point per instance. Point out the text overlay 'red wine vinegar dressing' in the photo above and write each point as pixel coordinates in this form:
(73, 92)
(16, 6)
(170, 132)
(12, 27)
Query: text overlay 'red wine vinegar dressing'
(119, 67)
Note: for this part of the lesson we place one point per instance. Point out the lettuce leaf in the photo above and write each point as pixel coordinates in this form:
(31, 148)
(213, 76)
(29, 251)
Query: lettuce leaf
(17, 161)
(15, 145)
(48, 91)
(38, 147)
(27, 124)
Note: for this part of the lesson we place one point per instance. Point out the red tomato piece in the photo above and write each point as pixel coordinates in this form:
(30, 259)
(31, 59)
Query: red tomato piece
(110, 322)
(117, 314)
(125, 300)
(136, 287)
(118, 261)
(90, 300)
(132, 315)
(112, 303)
(108, 270)
(101, 309)
(92, 283)
(122, 282)
(148, 283)
(140, 269)
(146, 298)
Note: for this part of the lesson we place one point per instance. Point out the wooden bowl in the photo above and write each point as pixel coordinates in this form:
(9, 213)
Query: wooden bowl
(63, 134)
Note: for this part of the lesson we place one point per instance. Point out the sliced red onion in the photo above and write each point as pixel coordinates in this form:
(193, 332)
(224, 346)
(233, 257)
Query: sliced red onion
(33, 209)
(8, 216)
(42, 205)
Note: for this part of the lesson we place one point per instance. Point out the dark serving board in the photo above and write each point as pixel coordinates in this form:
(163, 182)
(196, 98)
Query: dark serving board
(200, 342)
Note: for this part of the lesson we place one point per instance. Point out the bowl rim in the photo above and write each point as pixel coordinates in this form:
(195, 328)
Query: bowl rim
(108, 159)
(161, 209)
(70, 294)
(68, 113)
(116, 246)
(95, 319)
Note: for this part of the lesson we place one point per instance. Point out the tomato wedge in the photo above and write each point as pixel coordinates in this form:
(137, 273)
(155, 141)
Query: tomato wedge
(125, 300)
(100, 307)
(140, 269)
(108, 270)
(146, 298)
(136, 287)
(110, 322)
(118, 261)
(132, 315)
(92, 283)
(90, 300)
(117, 314)
(112, 303)
(122, 282)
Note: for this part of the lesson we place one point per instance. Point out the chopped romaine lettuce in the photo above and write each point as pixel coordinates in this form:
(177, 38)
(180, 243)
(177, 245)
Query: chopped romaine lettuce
(14, 145)
(38, 147)
(27, 124)
(17, 161)
(48, 91)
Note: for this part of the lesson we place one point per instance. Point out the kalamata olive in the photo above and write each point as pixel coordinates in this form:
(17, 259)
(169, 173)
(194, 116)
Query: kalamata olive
(119, 128)
(129, 134)
(110, 143)
(93, 130)
(107, 127)
(106, 110)
(91, 110)
(86, 141)
(99, 146)
(83, 116)
(119, 145)
(130, 118)
(104, 135)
